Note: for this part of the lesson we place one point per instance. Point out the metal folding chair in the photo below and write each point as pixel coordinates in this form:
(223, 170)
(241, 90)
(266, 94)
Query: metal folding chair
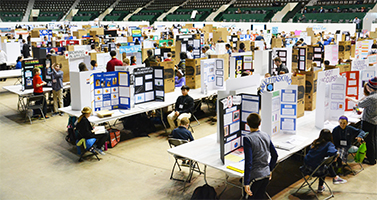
(193, 165)
(352, 151)
(317, 175)
(31, 104)
(83, 145)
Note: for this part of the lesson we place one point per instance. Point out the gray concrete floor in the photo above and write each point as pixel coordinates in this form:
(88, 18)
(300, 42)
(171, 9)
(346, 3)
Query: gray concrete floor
(37, 163)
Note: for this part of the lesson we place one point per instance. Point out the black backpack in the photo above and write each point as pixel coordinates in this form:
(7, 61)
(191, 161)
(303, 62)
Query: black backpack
(204, 192)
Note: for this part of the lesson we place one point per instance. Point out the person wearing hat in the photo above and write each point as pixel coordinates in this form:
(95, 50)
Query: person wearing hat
(183, 108)
(180, 80)
(85, 130)
(343, 136)
(369, 119)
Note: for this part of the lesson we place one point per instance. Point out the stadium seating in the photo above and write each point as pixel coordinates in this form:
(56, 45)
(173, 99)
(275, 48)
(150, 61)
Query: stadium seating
(12, 10)
(123, 8)
(91, 9)
(54, 10)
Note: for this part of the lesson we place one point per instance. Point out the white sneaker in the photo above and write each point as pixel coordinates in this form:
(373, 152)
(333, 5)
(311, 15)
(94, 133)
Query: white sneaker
(338, 180)
(321, 190)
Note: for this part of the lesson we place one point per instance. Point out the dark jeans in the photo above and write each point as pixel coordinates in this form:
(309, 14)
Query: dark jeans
(44, 109)
(258, 188)
(332, 174)
(101, 139)
(371, 141)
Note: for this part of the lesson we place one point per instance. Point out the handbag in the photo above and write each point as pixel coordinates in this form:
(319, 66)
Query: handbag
(114, 138)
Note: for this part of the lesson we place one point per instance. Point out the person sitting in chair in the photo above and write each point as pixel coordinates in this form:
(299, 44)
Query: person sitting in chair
(321, 148)
(85, 130)
(182, 131)
(343, 136)
(183, 107)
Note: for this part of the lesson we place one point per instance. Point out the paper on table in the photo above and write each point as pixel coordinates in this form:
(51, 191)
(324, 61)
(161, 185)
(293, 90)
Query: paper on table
(138, 81)
(238, 166)
(99, 129)
(148, 86)
(233, 158)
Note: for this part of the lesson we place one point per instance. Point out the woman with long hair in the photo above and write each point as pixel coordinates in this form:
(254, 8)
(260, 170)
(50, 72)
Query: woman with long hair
(321, 148)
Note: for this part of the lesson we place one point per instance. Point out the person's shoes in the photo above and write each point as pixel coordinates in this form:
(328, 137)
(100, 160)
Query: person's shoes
(54, 114)
(338, 180)
(92, 151)
(321, 190)
(100, 151)
(46, 117)
(365, 161)
(61, 113)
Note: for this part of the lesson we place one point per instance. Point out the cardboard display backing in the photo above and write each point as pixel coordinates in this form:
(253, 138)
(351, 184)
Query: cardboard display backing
(62, 60)
(193, 73)
(299, 80)
(344, 50)
(169, 81)
(226, 63)
(311, 89)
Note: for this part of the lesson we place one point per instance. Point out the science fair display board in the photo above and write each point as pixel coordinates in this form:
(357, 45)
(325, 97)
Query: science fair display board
(280, 111)
(81, 91)
(27, 72)
(352, 88)
(363, 48)
(331, 54)
(239, 63)
(317, 56)
(212, 74)
(234, 111)
(332, 88)
(275, 83)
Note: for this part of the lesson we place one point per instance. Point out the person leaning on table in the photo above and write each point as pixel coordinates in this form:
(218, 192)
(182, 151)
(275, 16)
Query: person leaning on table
(369, 119)
(258, 170)
(183, 107)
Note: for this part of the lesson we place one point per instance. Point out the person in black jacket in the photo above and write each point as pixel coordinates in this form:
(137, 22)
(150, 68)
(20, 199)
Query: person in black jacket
(183, 108)
(85, 130)
(280, 66)
(182, 131)
(25, 49)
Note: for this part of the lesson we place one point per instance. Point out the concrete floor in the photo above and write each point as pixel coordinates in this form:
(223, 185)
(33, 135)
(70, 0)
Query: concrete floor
(37, 163)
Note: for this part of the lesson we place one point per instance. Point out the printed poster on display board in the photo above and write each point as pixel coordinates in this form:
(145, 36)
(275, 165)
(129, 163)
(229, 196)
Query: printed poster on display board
(234, 111)
(352, 88)
(288, 114)
(212, 74)
(363, 48)
(148, 84)
(27, 72)
(331, 54)
(105, 91)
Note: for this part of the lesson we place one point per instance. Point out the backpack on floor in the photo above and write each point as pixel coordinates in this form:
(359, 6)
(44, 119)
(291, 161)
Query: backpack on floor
(204, 192)
(71, 129)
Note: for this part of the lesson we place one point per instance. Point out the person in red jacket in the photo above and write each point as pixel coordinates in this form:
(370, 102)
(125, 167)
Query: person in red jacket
(113, 62)
(38, 90)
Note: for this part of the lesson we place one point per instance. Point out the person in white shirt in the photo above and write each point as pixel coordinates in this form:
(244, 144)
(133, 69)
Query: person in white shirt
(3, 62)
(189, 54)
(207, 51)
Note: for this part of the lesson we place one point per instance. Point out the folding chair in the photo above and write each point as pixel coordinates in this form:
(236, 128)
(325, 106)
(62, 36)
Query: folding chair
(83, 145)
(193, 166)
(193, 116)
(352, 151)
(317, 174)
(31, 104)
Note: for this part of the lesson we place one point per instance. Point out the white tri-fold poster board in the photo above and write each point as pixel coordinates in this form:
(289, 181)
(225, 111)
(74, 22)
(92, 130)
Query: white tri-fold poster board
(331, 87)
(234, 111)
(80, 89)
(212, 74)
(279, 111)
(331, 54)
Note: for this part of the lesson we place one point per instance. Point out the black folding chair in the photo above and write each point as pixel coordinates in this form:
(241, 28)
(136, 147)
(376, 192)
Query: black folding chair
(193, 166)
(317, 174)
(32, 104)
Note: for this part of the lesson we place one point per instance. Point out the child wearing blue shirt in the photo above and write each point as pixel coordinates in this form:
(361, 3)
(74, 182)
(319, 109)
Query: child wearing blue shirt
(19, 62)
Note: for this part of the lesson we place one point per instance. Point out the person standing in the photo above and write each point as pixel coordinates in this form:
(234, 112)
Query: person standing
(150, 58)
(369, 120)
(110, 67)
(57, 86)
(258, 148)
(25, 49)
(280, 66)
